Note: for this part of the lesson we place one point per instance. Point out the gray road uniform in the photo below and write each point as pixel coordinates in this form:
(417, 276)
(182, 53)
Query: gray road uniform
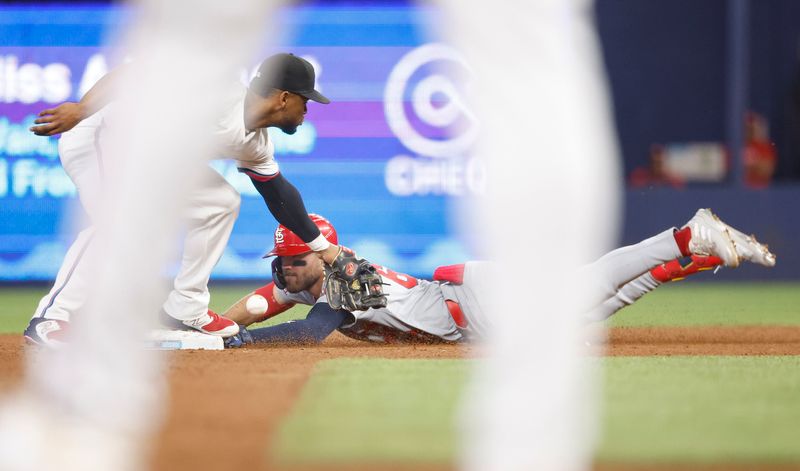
(456, 310)
(417, 310)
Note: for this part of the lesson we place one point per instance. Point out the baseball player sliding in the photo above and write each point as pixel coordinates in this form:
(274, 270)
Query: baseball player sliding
(276, 97)
(449, 308)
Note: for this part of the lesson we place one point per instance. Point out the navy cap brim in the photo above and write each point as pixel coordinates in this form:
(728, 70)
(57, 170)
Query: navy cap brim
(314, 95)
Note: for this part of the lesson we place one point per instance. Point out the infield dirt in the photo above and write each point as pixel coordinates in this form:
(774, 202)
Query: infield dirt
(225, 406)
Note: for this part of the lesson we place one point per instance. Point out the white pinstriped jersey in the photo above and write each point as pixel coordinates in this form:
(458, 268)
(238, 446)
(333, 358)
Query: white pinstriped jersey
(253, 150)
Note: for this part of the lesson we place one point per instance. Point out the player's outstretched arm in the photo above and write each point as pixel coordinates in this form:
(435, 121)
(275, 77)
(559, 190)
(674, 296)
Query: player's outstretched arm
(259, 309)
(286, 205)
(67, 115)
(321, 321)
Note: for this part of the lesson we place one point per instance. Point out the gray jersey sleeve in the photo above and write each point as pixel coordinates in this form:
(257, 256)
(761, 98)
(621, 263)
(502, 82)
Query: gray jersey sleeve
(415, 311)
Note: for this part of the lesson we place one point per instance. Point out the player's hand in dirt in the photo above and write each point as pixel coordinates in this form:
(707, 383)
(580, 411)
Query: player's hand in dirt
(57, 120)
(239, 340)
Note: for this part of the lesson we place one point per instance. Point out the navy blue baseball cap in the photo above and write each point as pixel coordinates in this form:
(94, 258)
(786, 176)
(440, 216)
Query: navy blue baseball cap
(287, 72)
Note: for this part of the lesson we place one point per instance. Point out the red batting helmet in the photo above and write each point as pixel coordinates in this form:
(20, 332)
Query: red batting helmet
(288, 243)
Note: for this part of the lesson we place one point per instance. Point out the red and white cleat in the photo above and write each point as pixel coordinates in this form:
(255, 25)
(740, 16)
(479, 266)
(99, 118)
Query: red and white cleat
(710, 236)
(212, 323)
(681, 268)
(750, 249)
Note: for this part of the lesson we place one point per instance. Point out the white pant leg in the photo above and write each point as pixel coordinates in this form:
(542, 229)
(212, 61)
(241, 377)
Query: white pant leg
(213, 210)
(552, 203)
(80, 156)
(613, 270)
(625, 296)
(68, 293)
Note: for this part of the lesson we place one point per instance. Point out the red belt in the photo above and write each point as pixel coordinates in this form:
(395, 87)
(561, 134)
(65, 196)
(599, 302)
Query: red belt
(456, 313)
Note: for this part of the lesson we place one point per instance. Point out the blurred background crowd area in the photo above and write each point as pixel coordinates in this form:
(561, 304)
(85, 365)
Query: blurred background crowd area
(690, 80)
(706, 99)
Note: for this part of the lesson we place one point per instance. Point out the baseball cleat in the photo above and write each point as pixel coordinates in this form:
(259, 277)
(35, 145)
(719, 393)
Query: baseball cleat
(46, 332)
(710, 237)
(680, 268)
(214, 324)
(165, 321)
(750, 249)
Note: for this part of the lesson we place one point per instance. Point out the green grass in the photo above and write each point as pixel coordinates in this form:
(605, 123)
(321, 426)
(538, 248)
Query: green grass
(657, 410)
(702, 409)
(19, 302)
(687, 304)
(375, 410)
(678, 304)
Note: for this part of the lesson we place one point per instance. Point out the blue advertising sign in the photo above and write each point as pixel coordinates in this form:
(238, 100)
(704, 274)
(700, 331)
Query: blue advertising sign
(382, 161)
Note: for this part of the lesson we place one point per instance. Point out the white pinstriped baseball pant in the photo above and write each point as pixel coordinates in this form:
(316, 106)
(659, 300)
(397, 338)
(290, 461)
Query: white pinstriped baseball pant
(212, 211)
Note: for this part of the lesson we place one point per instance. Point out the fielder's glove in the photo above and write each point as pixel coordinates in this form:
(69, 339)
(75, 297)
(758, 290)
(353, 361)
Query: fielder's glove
(353, 284)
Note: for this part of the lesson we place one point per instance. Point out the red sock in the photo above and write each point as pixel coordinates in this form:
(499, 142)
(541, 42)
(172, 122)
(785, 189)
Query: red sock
(452, 273)
(680, 268)
(682, 237)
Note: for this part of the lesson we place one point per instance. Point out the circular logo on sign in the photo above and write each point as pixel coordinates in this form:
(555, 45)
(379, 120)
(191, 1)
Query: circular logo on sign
(438, 123)
(350, 269)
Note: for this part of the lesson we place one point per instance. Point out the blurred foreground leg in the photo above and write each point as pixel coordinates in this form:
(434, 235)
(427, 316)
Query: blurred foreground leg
(552, 205)
(92, 404)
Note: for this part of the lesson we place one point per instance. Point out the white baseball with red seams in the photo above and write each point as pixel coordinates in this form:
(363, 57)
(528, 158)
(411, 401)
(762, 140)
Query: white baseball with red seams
(256, 305)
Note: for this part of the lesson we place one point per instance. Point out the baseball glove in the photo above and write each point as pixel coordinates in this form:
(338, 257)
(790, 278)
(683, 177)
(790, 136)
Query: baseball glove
(353, 284)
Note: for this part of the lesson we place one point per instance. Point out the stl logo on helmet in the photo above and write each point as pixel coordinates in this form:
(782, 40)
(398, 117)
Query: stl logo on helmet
(279, 235)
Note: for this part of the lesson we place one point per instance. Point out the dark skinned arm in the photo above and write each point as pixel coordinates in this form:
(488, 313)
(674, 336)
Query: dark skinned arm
(67, 115)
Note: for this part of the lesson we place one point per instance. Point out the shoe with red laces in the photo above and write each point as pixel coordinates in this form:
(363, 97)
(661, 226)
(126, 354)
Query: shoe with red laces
(213, 324)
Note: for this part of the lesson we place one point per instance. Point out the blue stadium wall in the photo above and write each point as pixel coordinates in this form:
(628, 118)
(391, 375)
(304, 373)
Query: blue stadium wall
(353, 162)
(770, 214)
(667, 67)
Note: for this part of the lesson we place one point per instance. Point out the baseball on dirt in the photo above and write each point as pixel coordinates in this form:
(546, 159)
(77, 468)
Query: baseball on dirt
(256, 305)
